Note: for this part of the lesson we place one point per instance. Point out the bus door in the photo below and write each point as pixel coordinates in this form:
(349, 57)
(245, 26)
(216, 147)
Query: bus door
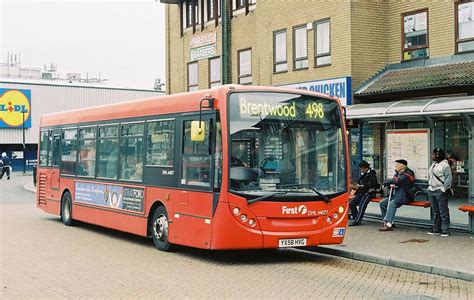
(56, 157)
(193, 206)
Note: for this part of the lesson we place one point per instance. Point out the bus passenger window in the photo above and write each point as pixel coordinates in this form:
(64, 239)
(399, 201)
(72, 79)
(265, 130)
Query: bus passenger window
(107, 158)
(43, 159)
(160, 143)
(196, 160)
(87, 152)
(131, 147)
(69, 151)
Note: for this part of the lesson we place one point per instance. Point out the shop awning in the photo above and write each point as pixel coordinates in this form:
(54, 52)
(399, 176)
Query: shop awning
(420, 76)
(406, 109)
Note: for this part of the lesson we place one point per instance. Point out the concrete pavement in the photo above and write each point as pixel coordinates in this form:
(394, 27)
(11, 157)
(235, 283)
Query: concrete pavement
(409, 248)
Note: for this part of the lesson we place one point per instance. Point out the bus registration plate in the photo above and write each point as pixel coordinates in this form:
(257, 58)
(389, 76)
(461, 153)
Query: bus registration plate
(292, 243)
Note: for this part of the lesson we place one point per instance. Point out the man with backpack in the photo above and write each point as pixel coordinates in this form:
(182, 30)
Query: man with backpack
(439, 187)
(402, 185)
(6, 162)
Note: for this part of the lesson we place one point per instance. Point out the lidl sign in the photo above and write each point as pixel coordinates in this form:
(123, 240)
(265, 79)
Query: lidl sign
(15, 106)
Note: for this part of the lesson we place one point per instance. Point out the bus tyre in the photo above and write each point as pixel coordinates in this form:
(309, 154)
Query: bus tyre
(159, 229)
(66, 209)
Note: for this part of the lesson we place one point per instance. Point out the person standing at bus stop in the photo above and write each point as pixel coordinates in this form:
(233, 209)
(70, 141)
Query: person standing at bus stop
(400, 184)
(439, 182)
(364, 192)
(6, 165)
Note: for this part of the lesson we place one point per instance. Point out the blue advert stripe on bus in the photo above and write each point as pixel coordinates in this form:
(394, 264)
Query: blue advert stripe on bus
(114, 196)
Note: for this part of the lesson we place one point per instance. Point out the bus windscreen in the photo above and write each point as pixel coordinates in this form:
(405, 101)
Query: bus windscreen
(284, 143)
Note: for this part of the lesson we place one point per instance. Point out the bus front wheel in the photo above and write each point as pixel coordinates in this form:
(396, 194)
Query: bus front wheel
(159, 229)
(66, 209)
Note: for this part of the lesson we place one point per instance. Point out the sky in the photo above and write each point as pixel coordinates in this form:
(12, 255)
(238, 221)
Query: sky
(124, 41)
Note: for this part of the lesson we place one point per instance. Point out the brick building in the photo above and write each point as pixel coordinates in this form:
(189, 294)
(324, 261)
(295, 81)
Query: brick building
(374, 54)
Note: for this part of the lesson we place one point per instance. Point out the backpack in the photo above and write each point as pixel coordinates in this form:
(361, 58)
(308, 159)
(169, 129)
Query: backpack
(413, 191)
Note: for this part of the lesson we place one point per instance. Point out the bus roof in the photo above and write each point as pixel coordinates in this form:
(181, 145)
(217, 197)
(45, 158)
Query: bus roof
(176, 103)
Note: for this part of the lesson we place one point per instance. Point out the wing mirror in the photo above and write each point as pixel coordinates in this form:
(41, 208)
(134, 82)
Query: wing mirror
(198, 131)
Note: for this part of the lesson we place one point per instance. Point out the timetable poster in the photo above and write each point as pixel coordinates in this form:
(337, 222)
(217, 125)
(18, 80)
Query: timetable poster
(411, 145)
(114, 196)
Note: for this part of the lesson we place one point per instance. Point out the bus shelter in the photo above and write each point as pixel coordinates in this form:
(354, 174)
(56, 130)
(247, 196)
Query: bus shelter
(409, 129)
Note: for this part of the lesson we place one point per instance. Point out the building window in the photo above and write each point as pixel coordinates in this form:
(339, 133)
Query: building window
(190, 4)
(193, 84)
(279, 51)
(245, 66)
(214, 72)
(211, 4)
(300, 48)
(239, 4)
(323, 43)
(465, 27)
(415, 35)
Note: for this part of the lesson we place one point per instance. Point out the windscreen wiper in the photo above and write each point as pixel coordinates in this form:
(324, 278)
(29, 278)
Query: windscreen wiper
(265, 197)
(308, 186)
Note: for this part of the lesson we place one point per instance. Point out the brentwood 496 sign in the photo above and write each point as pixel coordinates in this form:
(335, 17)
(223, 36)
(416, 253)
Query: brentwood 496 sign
(14, 106)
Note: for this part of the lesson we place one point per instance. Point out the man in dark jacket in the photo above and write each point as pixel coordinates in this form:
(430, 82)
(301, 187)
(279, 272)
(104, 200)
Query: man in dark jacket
(364, 192)
(401, 184)
(6, 162)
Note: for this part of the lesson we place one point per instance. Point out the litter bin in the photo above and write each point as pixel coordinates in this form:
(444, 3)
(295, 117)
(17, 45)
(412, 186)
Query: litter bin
(34, 175)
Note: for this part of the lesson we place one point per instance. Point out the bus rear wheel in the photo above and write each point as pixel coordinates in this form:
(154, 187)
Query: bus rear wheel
(159, 229)
(66, 209)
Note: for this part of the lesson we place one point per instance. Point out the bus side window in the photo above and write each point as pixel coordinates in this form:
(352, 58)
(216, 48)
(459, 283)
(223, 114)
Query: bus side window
(218, 157)
(54, 152)
(107, 158)
(69, 151)
(43, 159)
(160, 142)
(87, 151)
(131, 151)
(196, 161)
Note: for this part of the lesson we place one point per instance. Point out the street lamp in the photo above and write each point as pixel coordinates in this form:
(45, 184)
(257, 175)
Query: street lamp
(24, 156)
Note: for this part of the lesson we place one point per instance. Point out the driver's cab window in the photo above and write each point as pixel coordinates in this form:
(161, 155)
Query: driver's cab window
(196, 159)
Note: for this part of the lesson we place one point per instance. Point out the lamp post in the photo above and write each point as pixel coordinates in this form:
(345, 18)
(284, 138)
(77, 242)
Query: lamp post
(24, 156)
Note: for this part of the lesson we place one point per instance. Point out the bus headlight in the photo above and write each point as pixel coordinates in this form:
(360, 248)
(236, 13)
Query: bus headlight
(335, 215)
(341, 209)
(329, 220)
(244, 216)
